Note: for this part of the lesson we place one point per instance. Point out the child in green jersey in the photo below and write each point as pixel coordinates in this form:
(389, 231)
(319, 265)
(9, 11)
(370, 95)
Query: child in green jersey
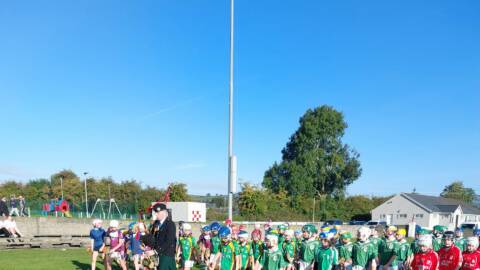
(326, 255)
(363, 255)
(404, 253)
(257, 246)
(272, 257)
(345, 251)
(375, 240)
(185, 249)
(437, 240)
(308, 247)
(227, 254)
(289, 249)
(388, 250)
(245, 250)
(215, 244)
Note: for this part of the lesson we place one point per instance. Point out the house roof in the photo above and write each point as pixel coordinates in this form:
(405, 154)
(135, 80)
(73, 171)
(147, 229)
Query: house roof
(440, 204)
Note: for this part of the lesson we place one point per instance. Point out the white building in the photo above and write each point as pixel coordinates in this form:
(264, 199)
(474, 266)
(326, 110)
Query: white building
(426, 211)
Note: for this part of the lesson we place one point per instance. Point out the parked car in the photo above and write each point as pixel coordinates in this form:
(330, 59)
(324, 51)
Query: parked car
(331, 222)
(376, 223)
(357, 222)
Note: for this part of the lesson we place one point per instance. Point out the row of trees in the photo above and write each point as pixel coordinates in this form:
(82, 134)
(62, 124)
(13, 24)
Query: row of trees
(129, 195)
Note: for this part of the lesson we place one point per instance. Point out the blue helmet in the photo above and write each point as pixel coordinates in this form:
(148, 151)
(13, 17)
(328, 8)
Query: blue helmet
(459, 229)
(215, 226)
(326, 235)
(333, 230)
(224, 232)
(206, 228)
(476, 232)
(131, 225)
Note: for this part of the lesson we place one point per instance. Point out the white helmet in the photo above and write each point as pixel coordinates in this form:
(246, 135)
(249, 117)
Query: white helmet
(257, 225)
(186, 227)
(364, 232)
(272, 237)
(425, 240)
(289, 232)
(114, 223)
(473, 241)
(96, 221)
(243, 235)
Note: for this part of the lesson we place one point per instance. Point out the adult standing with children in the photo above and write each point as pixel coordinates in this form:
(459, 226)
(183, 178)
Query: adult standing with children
(164, 237)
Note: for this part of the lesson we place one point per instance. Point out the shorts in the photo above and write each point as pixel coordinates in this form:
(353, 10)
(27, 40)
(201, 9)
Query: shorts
(212, 258)
(117, 256)
(381, 267)
(357, 267)
(187, 263)
(305, 265)
(97, 248)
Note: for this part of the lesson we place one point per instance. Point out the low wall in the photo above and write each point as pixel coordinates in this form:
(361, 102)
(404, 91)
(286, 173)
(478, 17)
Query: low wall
(51, 226)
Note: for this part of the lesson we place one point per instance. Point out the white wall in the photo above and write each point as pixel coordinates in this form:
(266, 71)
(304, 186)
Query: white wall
(401, 211)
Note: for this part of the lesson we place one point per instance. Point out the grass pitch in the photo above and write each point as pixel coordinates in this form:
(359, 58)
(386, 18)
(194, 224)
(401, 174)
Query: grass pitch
(47, 259)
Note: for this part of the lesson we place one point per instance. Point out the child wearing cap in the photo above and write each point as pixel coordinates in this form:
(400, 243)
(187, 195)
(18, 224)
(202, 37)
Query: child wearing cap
(388, 250)
(326, 255)
(404, 252)
(471, 255)
(245, 250)
(187, 245)
(272, 257)
(460, 241)
(135, 244)
(345, 251)
(97, 245)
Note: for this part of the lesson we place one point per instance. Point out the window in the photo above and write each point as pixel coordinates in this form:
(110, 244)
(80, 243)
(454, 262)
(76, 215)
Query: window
(403, 215)
(419, 215)
(383, 216)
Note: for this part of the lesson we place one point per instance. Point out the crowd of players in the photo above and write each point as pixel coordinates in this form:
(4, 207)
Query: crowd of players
(228, 246)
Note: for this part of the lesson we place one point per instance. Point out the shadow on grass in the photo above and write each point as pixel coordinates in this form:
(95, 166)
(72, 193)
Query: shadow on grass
(81, 265)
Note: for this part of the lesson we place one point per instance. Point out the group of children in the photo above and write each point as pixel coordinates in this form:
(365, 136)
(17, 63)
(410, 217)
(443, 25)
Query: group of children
(231, 247)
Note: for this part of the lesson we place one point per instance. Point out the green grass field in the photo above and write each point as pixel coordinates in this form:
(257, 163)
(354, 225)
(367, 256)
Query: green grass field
(46, 259)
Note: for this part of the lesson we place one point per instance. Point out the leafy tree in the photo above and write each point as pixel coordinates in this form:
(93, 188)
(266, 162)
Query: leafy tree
(252, 201)
(315, 160)
(457, 191)
(178, 192)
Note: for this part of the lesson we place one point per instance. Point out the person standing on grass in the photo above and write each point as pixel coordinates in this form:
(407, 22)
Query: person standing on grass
(345, 251)
(450, 256)
(117, 246)
(3, 207)
(404, 251)
(388, 250)
(426, 258)
(14, 206)
(97, 245)
(22, 205)
(363, 254)
(164, 234)
(471, 255)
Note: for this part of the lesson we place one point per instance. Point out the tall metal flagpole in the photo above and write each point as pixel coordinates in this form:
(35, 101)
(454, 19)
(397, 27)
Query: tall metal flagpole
(231, 158)
(86, 196)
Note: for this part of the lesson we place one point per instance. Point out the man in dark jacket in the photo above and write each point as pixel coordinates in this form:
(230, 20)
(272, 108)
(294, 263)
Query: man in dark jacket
(3, 207)
(165, 241)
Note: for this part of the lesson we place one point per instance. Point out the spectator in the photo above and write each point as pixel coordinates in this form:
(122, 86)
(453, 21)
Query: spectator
(3, 231)
(22, 204)
(3, 207)
(14, 206)
(11, 227)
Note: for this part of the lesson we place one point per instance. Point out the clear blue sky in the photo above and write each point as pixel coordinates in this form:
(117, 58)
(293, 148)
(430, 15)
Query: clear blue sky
(139, 89)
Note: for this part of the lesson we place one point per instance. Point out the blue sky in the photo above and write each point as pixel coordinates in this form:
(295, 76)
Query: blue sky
(139, 89)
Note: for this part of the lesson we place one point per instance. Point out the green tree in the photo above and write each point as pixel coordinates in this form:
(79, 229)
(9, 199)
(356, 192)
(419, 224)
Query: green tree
(252, 201)
(178, 192)
(457, 191)
(315, 161)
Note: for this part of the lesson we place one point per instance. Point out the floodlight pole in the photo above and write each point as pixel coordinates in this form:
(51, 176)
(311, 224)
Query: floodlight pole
(231, 158)
(61, 185)
(86, 196)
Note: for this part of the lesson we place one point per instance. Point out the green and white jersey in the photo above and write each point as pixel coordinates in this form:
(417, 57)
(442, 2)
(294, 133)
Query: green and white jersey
(257, 248)
(228, 256)
(289, 250)
(386, 250)
(345, 251)
(362, 253)
(216, 243)
(437, 243)
(376, 244)
(307, 250)
(326, 258)
(187, 244)
(246, 252)
(461, 243)
(281, 239)
(404, 251)
(271, 259)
